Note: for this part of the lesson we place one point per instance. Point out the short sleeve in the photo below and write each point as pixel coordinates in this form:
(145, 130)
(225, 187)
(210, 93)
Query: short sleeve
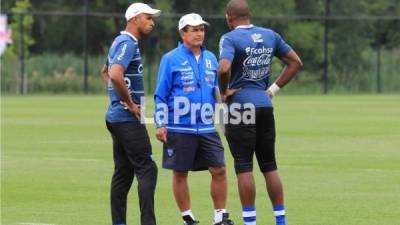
(124, 53)
(281, 47)
(226, 48)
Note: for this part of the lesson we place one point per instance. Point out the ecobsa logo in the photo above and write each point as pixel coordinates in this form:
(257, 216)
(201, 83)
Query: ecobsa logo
(257, 64)
(186, 112)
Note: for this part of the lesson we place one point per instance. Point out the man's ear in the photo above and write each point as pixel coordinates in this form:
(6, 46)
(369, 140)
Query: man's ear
(181, 33)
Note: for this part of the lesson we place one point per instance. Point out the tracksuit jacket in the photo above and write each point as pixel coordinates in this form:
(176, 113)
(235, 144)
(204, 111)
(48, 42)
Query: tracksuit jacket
(180, 75)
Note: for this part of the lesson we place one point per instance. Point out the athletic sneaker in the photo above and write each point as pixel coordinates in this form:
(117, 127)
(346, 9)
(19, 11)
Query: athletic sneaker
(225, 220)
(187, 220)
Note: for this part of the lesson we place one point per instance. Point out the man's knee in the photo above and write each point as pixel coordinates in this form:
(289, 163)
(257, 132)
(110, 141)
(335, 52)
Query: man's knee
(218, 172)
(180, 176)
(148, 176)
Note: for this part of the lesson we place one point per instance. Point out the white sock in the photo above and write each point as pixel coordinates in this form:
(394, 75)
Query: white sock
(188, 213)
(218, 215)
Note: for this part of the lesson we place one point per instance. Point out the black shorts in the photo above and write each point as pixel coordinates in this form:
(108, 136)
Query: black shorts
(184, 152)
(259, 138)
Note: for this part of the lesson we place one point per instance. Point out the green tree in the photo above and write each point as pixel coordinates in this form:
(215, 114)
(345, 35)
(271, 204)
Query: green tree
(18, 19)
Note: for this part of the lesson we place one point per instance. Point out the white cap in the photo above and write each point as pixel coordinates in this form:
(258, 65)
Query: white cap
(138, 8)
(192, 19)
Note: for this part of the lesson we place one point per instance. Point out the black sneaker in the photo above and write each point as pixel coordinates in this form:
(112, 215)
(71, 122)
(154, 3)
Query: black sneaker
(225, 220)
(187, 220)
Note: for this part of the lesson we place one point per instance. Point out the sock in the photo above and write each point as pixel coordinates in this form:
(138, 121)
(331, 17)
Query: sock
(187, 213)
(218, 215)
(249, 215)
(279, 212)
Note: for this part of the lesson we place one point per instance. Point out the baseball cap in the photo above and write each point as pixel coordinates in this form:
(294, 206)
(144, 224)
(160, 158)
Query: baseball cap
(138, 8)
(191, 19)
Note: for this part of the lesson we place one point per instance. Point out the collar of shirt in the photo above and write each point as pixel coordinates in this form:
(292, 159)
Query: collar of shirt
(129, 34)
(244, 26)
(187, 50)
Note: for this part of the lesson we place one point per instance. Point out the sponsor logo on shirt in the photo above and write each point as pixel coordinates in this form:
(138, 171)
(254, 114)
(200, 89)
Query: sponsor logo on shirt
(185, 63)
(257, 38)
(257, 64)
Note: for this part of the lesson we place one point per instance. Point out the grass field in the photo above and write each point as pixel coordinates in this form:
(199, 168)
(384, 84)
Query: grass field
(339, 157)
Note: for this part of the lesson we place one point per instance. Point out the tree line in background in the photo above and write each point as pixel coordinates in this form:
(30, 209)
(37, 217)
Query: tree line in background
(349, 39)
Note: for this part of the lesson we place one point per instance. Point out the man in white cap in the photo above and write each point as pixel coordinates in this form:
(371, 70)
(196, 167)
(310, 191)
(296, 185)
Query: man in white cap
(123, 72)
(188, 76)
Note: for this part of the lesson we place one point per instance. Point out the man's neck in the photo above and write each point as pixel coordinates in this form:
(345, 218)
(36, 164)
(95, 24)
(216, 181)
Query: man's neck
(133, 31)
(196, 50)
(242, 22)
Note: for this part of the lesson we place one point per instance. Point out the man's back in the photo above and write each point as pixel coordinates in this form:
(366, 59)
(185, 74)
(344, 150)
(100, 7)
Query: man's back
(250, 49)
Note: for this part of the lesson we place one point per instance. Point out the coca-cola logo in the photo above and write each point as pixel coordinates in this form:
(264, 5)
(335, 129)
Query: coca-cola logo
(262, 60)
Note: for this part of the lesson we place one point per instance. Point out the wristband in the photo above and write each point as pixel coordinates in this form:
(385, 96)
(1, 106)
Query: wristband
(274, 88)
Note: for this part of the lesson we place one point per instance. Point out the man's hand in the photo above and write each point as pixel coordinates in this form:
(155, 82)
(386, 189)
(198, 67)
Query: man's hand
(133, 108)
(161, 134)
(272, 90)
(269, 93)
(228, 93)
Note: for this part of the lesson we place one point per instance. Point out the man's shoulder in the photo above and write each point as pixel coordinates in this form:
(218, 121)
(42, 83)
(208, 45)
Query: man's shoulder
(230, 34)
(265, 30)
(171, 54)
(122, 38)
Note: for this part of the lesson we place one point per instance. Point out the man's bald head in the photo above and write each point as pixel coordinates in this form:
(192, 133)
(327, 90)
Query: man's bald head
(238, 9)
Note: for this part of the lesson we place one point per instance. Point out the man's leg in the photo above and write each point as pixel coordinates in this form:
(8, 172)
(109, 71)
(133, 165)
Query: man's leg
(265, 153)
(147, 180)
(137, 146)
(121, 180)
(247, 193)
(211, 155)
(120, 185)
(182, 196)
(242, 143)
(219, 186)
(219, 190)
(247, 189)
(274, 187)
(181, 190)
(140, 156)
(178, 155)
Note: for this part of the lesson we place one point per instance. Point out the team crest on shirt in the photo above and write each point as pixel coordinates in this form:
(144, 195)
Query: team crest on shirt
(257, 38)
(170, 152)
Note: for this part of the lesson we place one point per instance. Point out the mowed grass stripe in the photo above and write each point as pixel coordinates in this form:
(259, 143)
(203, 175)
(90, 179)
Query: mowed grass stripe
(338, 157)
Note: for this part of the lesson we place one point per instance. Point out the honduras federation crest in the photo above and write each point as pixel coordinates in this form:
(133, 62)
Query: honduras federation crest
(5, 35)
(170, 152)
(257, 38)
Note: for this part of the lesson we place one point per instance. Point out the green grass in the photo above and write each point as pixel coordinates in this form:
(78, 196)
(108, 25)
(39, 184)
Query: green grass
(338, 157)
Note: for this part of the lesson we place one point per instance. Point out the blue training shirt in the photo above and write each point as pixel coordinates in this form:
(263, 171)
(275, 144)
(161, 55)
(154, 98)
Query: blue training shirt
(250, 49)
(125, 52)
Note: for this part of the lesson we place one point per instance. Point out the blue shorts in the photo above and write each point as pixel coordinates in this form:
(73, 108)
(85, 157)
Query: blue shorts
(184, 152)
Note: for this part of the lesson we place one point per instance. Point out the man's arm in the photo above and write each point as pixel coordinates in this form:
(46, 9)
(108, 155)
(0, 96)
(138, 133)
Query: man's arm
(104, 74)
(161, 94)
(116, 74)
(224, 76)
(293, 64)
